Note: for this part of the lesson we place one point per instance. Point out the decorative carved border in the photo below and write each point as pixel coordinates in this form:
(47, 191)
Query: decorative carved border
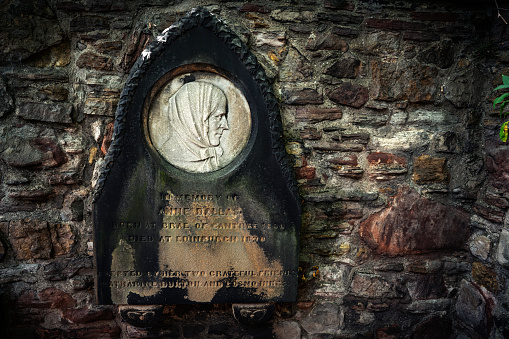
(197, 17)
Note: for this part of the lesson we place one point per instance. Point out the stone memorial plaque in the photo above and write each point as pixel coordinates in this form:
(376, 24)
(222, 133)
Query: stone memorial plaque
(196, 203)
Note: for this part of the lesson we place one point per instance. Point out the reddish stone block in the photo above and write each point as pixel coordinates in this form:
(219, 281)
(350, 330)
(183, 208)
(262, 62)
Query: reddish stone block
(253, 8)
(57, 298)
(316, 114)
(327, 42)
(303, 96)
(396, 25)
(108, 135)
(435, 16)
(93, 61)
(305, 173)
(310, 133)
(347, 160)
(377, 158)
(413, 225)
(362, 138)
(32, 195)
(109, 47)
(429, 170)
(350, 95)
(55, 155)
(86, 315)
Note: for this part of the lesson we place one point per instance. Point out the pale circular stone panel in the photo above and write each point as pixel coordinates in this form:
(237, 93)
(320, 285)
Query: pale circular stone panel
(199, 122)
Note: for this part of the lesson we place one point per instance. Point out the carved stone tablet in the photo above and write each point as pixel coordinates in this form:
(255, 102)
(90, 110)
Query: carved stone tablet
(196, 202)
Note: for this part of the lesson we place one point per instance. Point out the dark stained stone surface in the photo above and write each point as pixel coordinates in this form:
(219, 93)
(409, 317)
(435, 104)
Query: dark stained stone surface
(166, 235)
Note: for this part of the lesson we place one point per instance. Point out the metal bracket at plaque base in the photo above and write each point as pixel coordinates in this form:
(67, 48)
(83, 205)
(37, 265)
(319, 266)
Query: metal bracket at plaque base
(253, 314)
(141, 315)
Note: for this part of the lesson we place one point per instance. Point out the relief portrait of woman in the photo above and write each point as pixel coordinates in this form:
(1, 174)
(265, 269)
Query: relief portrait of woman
(201, 126)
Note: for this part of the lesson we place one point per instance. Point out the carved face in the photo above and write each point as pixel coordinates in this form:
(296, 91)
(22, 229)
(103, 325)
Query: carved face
(217, 123)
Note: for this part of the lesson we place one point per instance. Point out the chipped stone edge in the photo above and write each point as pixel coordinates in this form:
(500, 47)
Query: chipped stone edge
(197, 17)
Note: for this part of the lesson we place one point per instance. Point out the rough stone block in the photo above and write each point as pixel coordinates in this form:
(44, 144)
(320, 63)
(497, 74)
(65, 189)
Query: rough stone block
(428, 170)
(87, 23)
(111, 48)
(344, 68)
(471, 308)
(87, 315)
(61, 113)
(485, 276)
(305, 173)
(295, 67)
(480, 246)
(421, 36)
(347, 160)
(136, 43)
(427, 287)
(345, 19)
(399, 25)
(303, 96)
(30, 239)
(62, 238)
(384, 166)
(435, 16)
(502, 254)
(6, 102)
(316, 114)
(371, 286)
(350, 95)
(57, 298)
(402, 80)
(253, 8)
(94, 61)
(344, 31)
(100, 106)
(412, 225)
(327, 41)
(54, 93)
(270, 39)
(310, 133)
(440, 54)
(378, 43)
(287, 330)
(324, 318)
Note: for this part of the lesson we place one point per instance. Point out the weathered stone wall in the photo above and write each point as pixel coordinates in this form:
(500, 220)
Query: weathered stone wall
(387, 116)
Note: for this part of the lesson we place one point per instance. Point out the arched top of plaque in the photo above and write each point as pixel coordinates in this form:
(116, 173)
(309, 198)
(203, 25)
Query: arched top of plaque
(207, 110)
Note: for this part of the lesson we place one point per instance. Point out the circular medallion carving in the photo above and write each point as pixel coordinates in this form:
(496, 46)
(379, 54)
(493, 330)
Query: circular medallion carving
(199, 122)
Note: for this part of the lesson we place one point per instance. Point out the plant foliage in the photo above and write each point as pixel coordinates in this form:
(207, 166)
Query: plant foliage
(502, 101)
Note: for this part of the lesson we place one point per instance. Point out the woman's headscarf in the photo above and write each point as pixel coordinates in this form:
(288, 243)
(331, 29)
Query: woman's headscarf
(188, 111)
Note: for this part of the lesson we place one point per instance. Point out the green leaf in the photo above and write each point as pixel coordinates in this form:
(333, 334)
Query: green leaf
(500, 99)
(503, 132)
(505, 79)
(502, 106)
(501, 87)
